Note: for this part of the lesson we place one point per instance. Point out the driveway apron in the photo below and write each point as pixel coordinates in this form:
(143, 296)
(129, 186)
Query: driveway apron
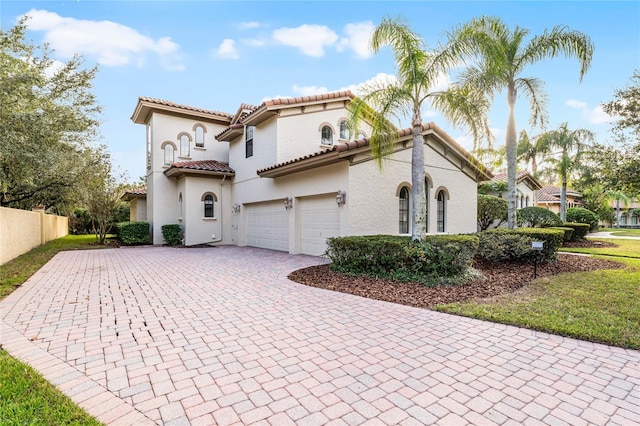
(175, 336)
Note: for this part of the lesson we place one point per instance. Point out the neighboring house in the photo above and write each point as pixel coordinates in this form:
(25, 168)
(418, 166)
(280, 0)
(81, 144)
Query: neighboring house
(526, 187)
(629, 214)
(549, 198)
(288, 174)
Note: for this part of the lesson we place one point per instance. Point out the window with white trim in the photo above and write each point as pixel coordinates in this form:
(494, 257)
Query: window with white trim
(248, 141)
(185, 145)
(208, 205)
(327, 136)
(344, 130)
(199, 131)
(441, 210)
(403, 211)
(169, 154)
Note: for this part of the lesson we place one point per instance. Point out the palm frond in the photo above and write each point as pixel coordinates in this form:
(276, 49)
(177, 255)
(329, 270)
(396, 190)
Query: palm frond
(533, 90)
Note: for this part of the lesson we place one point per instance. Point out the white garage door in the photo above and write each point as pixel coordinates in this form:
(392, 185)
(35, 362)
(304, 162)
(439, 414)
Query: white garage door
(268, 226)
(319, 220)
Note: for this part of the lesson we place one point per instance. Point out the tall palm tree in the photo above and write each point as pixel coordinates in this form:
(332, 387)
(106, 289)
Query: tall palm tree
(571, 144)
(619, 197)
(500, 56)
(418, 73)
(530, 150)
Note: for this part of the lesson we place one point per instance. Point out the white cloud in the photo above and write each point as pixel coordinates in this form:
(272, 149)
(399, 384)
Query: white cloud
(308, 90)
(112, 44)
(575, 103)
(310, 39)
(249, 25)
(593, 115)
(377, 81)
(254, 42)
(357, 38)
(227, 49)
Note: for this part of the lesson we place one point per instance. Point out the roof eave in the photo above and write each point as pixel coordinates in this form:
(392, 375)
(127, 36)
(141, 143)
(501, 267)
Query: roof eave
(178, 172)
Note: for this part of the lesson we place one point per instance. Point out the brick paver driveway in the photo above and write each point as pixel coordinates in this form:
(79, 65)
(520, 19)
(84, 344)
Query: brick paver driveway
(220, 336)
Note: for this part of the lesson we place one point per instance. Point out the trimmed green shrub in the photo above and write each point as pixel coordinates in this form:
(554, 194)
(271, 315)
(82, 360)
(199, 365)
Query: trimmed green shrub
(492, 211)
(133, 233)
(568, 232)
(172, 234)
(552, 239)
(580, 230)
(441, 259)
(504, 246)
(537, 217)
(582, 215)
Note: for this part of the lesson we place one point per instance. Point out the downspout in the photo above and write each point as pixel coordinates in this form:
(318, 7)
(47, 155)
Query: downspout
(221, 214)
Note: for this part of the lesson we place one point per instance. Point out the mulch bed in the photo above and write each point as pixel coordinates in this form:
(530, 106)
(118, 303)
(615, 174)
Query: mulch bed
(500, 278)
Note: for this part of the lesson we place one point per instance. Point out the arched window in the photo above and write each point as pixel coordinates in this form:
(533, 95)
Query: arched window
(185, 142)
(180, 204)
(344, 130)
(169, 153)
(327, 136)
(441, 210)
(403, 210)
(199, 136)
(526, 201)
(426, 195)
(623, 219)
(208, 205)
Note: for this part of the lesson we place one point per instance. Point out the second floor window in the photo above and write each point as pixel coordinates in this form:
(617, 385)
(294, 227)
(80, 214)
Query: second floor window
(248, 144)
(168, 154)
(184, 146)
(327, 136)
(200, 136)
(344, 130)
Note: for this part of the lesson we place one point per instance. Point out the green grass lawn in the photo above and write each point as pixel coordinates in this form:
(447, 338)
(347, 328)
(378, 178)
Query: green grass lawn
(26, 398)
(618, 232)
(600, 306)
(625, 248)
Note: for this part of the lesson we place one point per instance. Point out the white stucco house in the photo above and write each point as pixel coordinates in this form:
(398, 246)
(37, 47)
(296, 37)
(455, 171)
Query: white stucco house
(287, 174)
(527, 187)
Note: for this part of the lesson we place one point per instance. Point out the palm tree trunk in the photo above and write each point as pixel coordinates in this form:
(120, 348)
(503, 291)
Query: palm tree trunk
(419, 202)
(534, 165)
(511, 147)
(563, 199)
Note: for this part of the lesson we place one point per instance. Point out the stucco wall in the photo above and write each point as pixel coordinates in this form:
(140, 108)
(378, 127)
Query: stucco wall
(22, 230)
(374, 200)
(198, 229)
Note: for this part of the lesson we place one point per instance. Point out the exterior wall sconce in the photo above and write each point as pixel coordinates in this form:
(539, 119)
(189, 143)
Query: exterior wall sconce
(236, 208)
(341, 198)
(288, 203)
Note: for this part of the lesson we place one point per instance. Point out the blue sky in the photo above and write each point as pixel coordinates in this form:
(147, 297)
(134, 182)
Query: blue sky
(218, 54)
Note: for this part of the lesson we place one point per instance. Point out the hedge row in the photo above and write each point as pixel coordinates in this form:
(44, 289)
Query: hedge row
(501, 244)
(436, 260)
(133, 233)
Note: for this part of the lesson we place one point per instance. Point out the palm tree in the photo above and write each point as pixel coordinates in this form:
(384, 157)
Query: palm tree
(619, 197)
(571, 144)
(501, 56)
(418, 72)
(529, 150)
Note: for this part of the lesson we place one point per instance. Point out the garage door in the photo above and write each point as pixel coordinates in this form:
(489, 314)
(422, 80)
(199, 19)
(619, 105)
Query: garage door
(319, 220)
(268, 226)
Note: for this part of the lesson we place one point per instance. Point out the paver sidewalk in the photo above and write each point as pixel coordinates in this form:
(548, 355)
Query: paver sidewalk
(220, 336)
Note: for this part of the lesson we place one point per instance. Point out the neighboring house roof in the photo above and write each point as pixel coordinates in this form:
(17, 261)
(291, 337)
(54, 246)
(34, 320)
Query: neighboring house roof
(271, 107)
(347, 150)
(551, 194)
(203, 167)
(135, 193)
(146, 106)
(523, 176)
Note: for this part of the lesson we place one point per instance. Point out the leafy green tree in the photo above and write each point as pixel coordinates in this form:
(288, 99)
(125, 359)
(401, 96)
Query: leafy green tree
(500, 57)
(571, 143)
(492, 211)
(626, 106)
(48, 121)
(418, 73)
